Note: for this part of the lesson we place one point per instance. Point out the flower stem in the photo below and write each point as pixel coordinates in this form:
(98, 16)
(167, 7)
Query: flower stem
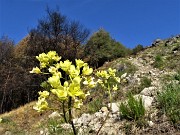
(110, 97)
(64, 112)
(70, 116)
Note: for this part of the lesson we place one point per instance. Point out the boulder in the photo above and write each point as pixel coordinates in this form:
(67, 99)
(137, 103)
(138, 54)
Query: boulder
(147, 100)
(148, 91)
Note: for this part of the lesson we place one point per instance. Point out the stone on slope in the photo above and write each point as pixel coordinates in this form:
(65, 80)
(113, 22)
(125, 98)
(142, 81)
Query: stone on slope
(147, 100)
(104, 109)
(148, 91)
(114, 108)
(54, 115)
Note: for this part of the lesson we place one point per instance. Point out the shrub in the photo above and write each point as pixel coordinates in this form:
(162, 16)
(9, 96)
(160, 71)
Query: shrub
(169, 102)
(145, 82)
(137, 49)
(158, 63)
(101, 48)
(177, 76)
(133, 109)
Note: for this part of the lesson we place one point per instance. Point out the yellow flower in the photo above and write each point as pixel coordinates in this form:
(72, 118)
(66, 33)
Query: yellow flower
(54, 81)
(112, 72)
(86, 70)
(115, 87)
(61, 93)
(78, 103)
(52, 70)
(43, 65)
(66, 84)
(44, 94)
(43, 58)
(76, 80)
(89, 81)
(100, 81)
(103, 74)
(58, 65)
(36, 70)
(79, 63)
(65, 66)
(75, 90)
(41, 105)
(73, 72)
(53, 56)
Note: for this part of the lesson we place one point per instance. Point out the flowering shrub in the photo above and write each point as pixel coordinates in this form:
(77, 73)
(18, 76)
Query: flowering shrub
(70, 90)
(72, 84)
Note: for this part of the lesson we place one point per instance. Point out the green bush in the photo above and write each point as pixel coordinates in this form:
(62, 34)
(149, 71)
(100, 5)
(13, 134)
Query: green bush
(137, 49)
(101, 47)
(133, 109)
(169, 102)
(158, 63)
(177, 76)
(145, 82)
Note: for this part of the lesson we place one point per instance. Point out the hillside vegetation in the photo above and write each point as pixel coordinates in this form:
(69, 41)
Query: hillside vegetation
(146, 102)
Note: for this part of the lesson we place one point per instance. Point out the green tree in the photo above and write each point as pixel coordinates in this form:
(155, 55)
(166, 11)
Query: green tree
(101, 48)
(137, 49)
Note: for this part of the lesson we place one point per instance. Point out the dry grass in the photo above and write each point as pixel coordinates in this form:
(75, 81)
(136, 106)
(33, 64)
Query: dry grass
(23, 119)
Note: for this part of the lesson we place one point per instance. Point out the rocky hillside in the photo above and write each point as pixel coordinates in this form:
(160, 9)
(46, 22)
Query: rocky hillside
(148, 75)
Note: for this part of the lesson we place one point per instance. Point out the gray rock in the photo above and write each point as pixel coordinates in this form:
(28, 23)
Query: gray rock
(152, 73)
(120, 67)
(54, 115)
(148, 91)
(124, 75)
(150, 123)
(66, 126)
(114, 108)
(147, 100)
(104, 109)
(83, 120)
(157, 41)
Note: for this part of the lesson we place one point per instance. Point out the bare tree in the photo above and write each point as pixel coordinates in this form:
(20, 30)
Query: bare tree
(56, 32)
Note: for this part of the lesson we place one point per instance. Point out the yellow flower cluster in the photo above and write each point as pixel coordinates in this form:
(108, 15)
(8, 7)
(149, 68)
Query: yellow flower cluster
(46, 59)
(108, 79)
(76, 75)
(72, 84)
(42, 104)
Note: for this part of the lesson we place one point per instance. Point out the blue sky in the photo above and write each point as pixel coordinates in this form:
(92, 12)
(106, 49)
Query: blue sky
(130, 22)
